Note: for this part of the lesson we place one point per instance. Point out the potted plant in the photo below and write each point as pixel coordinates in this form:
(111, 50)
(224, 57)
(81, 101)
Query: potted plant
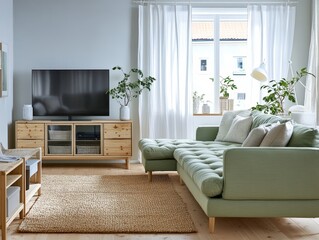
(197, 99)
(127, 89)
(226, 84)
(278, 92)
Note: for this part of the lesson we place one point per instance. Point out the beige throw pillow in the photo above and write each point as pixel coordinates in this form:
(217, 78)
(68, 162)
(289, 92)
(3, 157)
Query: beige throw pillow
(278, 136)
(227, 120)
(239, 129)
(255, 137)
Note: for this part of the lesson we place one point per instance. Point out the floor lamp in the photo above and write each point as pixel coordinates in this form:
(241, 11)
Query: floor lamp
(260, 73)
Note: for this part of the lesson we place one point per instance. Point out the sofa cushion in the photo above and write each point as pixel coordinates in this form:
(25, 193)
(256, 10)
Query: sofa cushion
(227, 120)
(239, 129)
(278, 135)
(262, 118)
(164, 148)
(204, 167)
(255, 137)
(304, 136)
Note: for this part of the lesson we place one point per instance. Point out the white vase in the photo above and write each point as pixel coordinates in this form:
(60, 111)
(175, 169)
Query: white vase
(195, 106)
(206, 108)
(27, 112)
(125, 113)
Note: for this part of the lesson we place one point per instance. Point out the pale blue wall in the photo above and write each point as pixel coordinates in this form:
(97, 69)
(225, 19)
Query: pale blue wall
(73, 34)
(6, 103)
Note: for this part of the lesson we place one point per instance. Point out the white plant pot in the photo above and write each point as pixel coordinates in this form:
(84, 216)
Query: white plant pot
(125, 113)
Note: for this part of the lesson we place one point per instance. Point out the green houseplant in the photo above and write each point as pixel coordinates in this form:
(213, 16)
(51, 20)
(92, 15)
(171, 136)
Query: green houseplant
(127, 89)
(226, 84)
(278, 92)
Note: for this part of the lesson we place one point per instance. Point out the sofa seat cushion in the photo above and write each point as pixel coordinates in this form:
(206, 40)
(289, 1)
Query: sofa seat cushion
(155, 149)
(204, 166)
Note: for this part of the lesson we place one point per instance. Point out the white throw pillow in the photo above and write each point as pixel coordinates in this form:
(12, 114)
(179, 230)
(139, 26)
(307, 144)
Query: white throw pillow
(278, 136)
(255, 137)
(227, 120)
(239, 129)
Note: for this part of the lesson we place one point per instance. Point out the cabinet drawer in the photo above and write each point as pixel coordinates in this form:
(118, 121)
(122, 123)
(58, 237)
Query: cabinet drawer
(30, 144)
(117, 148)
(30, 131)
(118, 130)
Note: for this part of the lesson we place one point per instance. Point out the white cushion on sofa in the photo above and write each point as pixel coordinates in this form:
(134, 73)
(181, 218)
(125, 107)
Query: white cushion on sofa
(255, 137)
(239, 129)
(226, 122)
(278, 136)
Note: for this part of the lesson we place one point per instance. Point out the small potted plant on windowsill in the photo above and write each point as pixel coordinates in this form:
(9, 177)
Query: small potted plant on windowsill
(197, 99)
(126, 89)
(226, 84)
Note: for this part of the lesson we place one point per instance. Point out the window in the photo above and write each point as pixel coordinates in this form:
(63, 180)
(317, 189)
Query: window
(219, 42)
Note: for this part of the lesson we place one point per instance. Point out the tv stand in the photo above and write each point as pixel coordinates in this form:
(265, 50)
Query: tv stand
(77, 140)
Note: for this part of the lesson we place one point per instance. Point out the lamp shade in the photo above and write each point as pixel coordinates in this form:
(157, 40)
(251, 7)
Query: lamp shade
(259, 73)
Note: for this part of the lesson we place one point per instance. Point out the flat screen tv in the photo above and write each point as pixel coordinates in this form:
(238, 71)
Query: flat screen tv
(70, 92)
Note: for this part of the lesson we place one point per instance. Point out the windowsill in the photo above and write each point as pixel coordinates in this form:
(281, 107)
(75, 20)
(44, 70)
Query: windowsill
(206, 114)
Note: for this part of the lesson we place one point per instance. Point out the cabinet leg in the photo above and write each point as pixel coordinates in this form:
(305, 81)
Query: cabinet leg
(127, 163)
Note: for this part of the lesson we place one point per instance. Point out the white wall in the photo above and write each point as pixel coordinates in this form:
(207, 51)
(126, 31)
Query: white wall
(73, 34)
(6, 103)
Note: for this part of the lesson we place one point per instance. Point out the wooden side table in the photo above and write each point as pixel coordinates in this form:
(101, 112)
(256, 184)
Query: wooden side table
(14, 174)
(35, 181)
(11, 174)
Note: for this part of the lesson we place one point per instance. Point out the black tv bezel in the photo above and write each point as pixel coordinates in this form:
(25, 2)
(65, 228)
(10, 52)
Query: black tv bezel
(69, 116)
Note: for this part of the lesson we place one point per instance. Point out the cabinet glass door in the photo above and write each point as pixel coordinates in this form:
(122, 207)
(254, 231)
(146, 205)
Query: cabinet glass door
(88, 139)
(59, 139)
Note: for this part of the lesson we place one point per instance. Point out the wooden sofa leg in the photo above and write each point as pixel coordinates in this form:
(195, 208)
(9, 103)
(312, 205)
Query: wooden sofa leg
(150, 176)
(181, 181)
(211, 224)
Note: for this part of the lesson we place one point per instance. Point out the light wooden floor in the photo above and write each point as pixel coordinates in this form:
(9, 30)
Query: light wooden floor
(225, 229)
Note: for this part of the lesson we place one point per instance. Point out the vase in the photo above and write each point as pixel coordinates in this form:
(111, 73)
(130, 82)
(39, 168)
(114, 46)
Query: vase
(27, 112)
(196, 106)
(125, 113)
(206, 108)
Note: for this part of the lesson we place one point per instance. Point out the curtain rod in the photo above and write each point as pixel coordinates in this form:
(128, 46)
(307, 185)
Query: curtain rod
(214, 2)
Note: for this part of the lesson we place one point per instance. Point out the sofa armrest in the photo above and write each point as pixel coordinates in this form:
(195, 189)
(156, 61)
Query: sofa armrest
(271, 173)
(206, 133)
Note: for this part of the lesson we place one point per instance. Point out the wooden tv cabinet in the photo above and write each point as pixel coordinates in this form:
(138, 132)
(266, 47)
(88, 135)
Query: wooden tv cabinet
(77, 140)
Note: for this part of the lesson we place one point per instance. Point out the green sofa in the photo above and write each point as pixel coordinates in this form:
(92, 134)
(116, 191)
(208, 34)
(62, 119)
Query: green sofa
(229, 179)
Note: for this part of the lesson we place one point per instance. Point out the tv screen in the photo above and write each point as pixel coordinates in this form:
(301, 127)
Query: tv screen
(69, 92)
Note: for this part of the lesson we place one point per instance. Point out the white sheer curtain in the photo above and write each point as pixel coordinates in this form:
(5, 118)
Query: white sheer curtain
(312, 86)
(164, 52)
(270, 39)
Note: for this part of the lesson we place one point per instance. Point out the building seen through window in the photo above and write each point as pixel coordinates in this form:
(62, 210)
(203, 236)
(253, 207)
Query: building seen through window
(219, 43)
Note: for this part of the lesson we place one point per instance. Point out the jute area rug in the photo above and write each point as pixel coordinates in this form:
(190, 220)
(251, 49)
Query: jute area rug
(107, 204)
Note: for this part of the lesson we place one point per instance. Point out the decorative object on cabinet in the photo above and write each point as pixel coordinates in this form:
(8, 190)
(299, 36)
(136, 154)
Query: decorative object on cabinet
(126, 89)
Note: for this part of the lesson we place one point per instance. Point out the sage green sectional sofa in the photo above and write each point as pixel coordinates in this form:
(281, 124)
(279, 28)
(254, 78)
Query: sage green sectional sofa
(270, 168)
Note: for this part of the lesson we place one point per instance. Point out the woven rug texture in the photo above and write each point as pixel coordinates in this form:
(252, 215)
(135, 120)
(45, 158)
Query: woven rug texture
(107, 204)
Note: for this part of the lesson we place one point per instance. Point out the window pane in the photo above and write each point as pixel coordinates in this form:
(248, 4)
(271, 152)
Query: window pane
(233, 59)
(220, 51)
(203, 61)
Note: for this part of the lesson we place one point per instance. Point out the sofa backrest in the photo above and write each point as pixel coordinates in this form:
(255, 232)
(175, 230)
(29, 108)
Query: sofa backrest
(302, 136)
